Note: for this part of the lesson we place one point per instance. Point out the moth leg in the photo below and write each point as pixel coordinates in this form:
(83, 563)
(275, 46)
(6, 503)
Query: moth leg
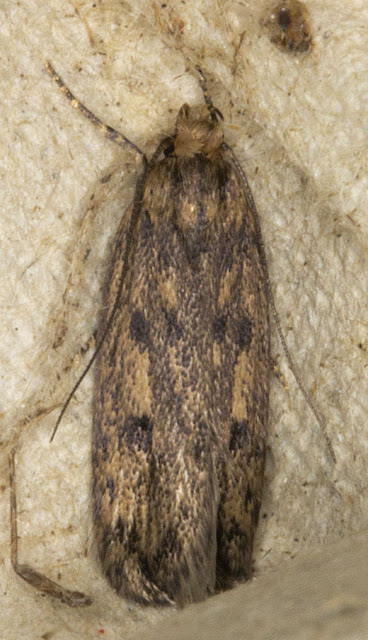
(33, 577)
(107, 131)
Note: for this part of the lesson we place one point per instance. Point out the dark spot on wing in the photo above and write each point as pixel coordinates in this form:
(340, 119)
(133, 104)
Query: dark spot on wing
(174, 330)
(138, 328)
(138, 432)
(243, 333)
(219, 328)
(239, 434)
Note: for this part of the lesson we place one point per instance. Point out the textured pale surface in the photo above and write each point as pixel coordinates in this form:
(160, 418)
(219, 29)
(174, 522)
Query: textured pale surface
(298, 126)
(323, 595)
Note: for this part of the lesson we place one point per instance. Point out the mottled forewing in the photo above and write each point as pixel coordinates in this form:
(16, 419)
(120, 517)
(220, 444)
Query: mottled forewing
(241, 357)
(155, 483)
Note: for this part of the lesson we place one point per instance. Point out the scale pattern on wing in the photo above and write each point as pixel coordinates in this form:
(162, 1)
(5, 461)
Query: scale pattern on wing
(180, 404)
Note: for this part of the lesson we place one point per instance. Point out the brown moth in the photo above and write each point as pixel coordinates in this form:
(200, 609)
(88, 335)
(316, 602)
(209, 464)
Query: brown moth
(182, 376)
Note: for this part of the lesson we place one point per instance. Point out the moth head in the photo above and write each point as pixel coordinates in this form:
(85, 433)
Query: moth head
(201, 134)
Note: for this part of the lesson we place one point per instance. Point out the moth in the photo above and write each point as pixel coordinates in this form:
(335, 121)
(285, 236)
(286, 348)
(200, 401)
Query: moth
(182, 377)
(181, 387)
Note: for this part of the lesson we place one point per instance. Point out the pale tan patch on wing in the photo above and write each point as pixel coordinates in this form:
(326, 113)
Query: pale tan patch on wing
(243, 383)
(179, 383)
(168, 292)
(137, 363)
(216, 351)
(226, 287)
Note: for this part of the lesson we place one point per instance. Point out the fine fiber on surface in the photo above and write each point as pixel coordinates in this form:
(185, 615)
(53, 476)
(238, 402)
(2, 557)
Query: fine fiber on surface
(297, 122)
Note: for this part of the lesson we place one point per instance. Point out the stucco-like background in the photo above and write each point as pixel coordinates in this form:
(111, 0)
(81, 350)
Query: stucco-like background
(298, 124)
